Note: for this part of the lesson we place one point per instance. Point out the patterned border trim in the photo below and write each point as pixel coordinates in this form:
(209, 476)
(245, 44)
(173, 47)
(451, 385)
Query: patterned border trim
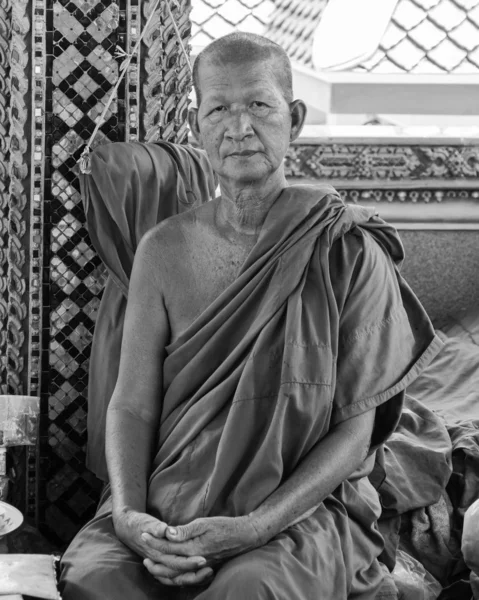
(132, 118)
(38, 99)
(5, 28)
(445, 209)
(413, 196)
(379, 166)
(36, 209)
(18, 171)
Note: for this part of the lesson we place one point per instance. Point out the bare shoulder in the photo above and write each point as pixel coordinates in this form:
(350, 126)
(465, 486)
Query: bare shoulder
(171, 235)
(170, 245)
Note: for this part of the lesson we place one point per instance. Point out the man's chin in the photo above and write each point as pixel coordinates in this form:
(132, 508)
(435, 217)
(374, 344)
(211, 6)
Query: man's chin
(247, 175)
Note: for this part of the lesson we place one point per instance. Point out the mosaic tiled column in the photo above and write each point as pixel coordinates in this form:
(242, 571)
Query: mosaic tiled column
(86, 41)
(15, 244)
(81, 39)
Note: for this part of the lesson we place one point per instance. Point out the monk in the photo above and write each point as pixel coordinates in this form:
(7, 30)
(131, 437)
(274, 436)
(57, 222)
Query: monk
(267, 343)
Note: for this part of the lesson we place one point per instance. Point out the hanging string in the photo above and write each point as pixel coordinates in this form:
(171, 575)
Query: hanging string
(84, 162)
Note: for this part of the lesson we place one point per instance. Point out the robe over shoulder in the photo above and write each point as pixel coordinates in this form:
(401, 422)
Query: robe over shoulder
(132, 187)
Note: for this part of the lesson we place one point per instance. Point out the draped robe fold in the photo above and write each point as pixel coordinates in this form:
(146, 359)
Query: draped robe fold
(317, 327)
(132, 187)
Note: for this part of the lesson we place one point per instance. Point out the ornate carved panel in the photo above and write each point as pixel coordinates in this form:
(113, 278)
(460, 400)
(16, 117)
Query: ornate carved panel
(381, 164)
(417, 185)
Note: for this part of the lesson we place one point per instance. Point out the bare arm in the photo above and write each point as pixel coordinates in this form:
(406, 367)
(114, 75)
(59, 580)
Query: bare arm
(329, 463)
(133, 420)
(134, 411)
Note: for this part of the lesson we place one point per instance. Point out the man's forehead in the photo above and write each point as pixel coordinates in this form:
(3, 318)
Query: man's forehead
(219, 74)
(218, 64)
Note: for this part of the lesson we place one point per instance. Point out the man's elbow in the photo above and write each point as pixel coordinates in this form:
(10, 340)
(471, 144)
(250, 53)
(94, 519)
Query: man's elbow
(358, 431)
(121, 407)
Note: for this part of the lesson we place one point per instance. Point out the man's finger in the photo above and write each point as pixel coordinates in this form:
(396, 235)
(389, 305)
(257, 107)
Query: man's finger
(182, 564)
(159, 570)
(200, 576)
(166, 581)
(155, 528)
(181, 533)
(169, 576)
(166, 547)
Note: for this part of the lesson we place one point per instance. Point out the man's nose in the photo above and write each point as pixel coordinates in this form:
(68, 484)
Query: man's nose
(239, 126)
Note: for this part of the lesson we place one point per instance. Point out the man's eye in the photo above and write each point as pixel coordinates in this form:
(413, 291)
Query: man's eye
(259, 108)
(218, 109)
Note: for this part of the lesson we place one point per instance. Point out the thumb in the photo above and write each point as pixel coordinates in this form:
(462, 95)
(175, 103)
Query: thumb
(181, 533)
(155, 528)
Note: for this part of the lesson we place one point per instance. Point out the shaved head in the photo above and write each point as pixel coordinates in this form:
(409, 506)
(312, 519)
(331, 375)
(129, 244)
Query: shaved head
(239, 48)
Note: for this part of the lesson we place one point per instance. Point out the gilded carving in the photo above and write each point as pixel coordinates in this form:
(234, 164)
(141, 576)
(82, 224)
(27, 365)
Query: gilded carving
(5, 25)
(168, 80)
(17, 199)
(382, 163)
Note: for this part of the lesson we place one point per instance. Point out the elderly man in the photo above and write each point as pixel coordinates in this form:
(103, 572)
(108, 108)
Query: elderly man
(267, 344)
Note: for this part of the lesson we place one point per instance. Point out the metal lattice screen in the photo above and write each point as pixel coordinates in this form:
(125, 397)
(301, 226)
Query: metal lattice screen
(82, 42)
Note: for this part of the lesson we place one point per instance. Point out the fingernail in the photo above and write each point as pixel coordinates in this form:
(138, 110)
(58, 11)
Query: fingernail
(201, 561)
(172, 531)
(145, 536)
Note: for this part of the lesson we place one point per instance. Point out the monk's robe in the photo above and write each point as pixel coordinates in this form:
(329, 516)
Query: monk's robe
(318, 327)
(131, 188)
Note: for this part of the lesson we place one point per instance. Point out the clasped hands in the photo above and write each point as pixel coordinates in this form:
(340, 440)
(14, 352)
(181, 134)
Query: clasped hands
(186, 554)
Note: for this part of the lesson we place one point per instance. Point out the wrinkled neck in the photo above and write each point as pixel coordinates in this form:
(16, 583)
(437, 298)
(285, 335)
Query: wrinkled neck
(244, 209)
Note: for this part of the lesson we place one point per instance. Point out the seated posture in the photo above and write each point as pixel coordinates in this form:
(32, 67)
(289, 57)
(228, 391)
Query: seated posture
(267, 343)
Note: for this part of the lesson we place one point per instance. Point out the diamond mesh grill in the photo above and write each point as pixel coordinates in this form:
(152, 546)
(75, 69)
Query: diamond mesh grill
(423, 36)
(211, 19)
(429, 36)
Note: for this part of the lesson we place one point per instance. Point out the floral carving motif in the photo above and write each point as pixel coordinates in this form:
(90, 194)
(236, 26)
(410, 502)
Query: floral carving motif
(382, 163)
(452, 162)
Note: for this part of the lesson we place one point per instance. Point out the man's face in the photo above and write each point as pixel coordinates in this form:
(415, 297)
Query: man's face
(244, 121)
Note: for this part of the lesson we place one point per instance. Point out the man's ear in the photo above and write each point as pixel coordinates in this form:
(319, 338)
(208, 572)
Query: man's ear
(298, 111)
(193, 123)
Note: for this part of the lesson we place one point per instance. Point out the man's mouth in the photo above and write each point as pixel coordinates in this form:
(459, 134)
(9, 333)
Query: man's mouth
(244, 153)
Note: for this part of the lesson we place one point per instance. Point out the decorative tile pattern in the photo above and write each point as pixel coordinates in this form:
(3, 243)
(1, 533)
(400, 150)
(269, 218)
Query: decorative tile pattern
(37, 174)
(86, 42)
(81, 41)
(132, 122)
